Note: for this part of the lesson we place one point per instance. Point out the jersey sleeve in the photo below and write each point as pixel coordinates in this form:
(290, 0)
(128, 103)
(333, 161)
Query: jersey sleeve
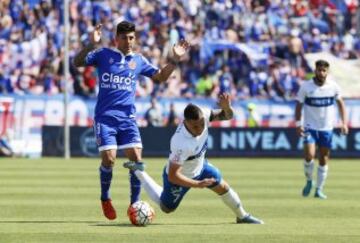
(207, 114)
(147, 69)
(92, 58)
(337, 91)
(178, 153)
(301, 95)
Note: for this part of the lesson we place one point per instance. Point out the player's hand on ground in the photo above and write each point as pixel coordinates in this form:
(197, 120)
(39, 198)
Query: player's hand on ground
(224, 101)
(344, 129)
(300, 131)
(179, 49)
(206, 182)
(95, 36)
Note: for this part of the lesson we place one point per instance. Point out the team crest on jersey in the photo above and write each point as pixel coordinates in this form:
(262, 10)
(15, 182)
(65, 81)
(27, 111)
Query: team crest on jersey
(132, 64)
(177, 156)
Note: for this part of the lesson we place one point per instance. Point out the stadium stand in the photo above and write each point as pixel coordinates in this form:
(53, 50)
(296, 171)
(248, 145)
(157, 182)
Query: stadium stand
(262, 43)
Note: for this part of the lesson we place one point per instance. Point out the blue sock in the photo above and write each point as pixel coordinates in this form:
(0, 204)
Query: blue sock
(135, 187)
(105, 181)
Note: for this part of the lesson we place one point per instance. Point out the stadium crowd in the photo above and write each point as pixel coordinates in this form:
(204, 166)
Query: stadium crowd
(270, 64)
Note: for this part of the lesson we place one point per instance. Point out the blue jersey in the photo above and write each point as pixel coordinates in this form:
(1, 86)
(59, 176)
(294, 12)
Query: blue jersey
(118, 75)
(225, 83)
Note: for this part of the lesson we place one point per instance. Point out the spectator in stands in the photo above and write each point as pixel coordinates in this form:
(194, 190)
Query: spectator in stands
(32, 32)
(258, 81)
(226, 81)
(89, 81)
(173, 119)
(296, 50)
(253, 118)
(5, 148)
(5, 86)
(205, 85)
(154, 115)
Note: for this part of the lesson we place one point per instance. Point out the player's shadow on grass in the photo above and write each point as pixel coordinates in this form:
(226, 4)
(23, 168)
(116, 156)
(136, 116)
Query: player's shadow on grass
(90, 223)
(155, 224)
(47, 222)
(194, 224)
(97, 223)
(112, 225)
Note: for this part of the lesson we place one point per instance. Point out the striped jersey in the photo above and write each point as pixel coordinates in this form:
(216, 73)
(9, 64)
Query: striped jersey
(319, 104)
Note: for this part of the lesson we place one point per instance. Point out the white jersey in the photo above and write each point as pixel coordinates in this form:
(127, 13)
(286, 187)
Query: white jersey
(189, 151)
(319, 104)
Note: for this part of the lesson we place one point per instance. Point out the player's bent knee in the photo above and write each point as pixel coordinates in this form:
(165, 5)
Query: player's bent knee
(134, 157)
(133, 154)
(108, 161)
(166, 210)
(107, 164)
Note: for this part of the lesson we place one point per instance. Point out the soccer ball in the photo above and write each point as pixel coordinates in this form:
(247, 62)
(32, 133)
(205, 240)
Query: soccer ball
(141, 213)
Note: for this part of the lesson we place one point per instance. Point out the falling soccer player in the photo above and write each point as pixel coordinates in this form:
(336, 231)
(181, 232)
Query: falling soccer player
(187, 166)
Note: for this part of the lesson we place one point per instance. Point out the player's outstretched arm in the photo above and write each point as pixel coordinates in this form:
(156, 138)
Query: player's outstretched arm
(176, 177)
(342, 111)
(95, 37)
(226, 112)
(179, 50)
(299, 127)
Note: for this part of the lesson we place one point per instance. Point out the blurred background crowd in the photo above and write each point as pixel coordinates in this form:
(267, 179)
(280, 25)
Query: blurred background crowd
(249, 48)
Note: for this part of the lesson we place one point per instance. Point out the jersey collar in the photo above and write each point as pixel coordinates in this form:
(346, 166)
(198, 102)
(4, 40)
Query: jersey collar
(123, 57)
(131, 54)
(186, 132)
(314, 81)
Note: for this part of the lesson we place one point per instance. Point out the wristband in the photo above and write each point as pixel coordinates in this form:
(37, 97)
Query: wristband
(298, 124)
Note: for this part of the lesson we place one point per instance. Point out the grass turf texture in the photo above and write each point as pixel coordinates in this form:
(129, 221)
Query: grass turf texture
(55, 200)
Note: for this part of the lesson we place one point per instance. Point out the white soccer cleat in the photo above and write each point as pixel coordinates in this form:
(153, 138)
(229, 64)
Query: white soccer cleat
(131, 165)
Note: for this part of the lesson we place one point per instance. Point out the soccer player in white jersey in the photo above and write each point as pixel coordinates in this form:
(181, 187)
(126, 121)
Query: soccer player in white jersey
(318, 97)
(114, 122)
(187, 166)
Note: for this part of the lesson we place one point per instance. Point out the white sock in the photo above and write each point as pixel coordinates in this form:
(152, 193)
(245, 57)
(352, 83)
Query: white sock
(308, 169)
(151, 187)
(321, 176)
(232, 200)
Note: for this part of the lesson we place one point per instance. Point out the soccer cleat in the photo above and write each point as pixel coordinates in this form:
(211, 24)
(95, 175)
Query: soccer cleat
(131, 165)
(307, 188)
(249, 219)
(319, 194)
(108, 209)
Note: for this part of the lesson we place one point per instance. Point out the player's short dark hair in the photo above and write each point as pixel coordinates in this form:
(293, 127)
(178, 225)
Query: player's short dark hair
(322, 63)
(192, 112)
(125, 27)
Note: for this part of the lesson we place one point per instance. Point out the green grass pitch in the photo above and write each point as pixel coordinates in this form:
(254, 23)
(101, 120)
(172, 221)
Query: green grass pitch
(55, 200)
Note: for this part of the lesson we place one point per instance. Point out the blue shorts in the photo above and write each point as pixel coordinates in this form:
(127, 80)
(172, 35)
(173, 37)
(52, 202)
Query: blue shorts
(173, 194)
(112, 134)
(321, 138)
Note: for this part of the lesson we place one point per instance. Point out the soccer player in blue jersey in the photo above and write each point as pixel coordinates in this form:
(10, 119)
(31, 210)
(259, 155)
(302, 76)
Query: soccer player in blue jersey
(318, 97)
(114, 123)
(188, 167)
